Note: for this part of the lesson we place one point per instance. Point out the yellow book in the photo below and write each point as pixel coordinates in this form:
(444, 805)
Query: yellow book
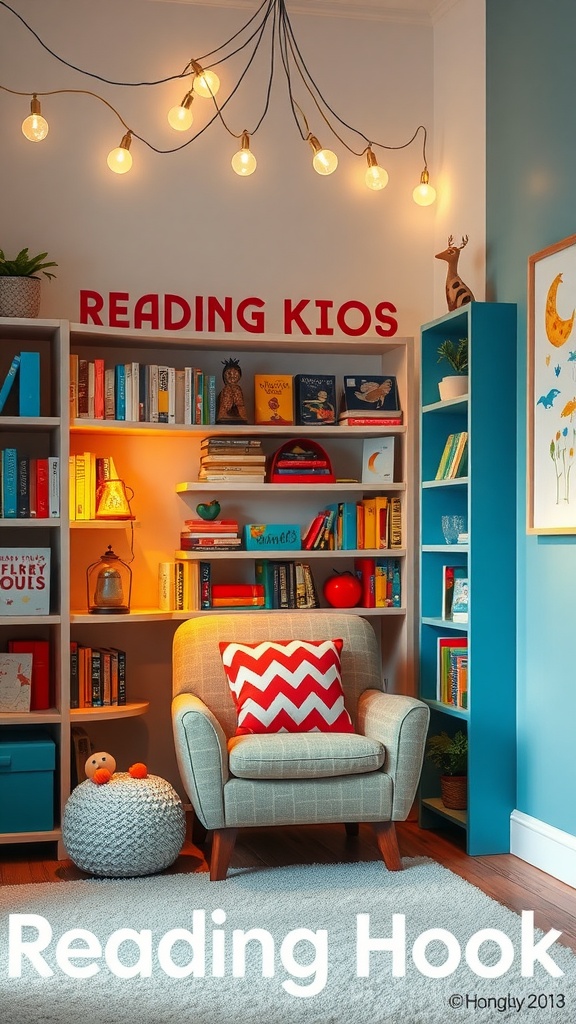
(72, 488)
(370, 537)
(273, 399)
(80, 487)
(440, 472)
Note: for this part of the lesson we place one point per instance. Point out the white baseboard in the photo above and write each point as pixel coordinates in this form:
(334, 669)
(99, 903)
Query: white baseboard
(544, 846)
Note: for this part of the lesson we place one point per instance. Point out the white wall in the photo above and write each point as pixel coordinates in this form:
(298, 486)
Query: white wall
(186, 223)
(460, 141)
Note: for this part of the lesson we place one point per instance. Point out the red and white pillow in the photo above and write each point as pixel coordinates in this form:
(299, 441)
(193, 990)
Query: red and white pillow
(287, 686)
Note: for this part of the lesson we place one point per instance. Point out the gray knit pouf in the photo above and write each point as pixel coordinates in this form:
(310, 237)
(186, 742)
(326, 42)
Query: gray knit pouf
(124, 828)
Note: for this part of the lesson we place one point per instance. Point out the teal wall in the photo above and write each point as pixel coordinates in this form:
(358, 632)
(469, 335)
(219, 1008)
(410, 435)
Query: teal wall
(531, 203)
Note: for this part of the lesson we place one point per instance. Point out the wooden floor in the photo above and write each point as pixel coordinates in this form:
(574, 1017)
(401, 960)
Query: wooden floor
(505, 878)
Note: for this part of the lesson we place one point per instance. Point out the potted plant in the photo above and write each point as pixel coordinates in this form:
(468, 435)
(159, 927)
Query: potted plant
(450, 755)
(456, 355)
(20, 283)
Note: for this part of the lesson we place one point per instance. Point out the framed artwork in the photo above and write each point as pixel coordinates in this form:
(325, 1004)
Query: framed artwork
(552, 389)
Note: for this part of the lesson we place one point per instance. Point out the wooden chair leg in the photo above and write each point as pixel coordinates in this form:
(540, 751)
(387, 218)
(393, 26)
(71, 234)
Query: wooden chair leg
(223, 842)
(388, 844)
(352, 828)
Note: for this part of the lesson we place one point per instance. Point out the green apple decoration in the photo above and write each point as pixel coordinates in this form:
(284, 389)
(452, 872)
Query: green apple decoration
(208, 511)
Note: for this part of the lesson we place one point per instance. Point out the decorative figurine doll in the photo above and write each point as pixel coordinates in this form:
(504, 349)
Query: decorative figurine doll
(231, 408)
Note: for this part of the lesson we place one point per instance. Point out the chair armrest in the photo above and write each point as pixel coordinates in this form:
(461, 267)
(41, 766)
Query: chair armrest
(202, 756)
(401, 724)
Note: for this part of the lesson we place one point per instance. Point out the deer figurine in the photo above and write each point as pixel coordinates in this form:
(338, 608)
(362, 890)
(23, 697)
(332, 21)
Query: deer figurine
(457, 293)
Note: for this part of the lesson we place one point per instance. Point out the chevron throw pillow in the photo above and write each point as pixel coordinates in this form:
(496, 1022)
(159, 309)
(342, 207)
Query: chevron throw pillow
(287, 686)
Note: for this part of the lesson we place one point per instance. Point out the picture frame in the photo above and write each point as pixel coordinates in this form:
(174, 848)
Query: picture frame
(551, 390)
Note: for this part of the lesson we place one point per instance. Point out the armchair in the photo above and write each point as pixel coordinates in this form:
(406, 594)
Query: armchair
(293, 778)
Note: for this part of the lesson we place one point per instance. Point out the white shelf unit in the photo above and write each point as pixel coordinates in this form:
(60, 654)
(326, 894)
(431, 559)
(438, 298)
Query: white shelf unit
(152, 459)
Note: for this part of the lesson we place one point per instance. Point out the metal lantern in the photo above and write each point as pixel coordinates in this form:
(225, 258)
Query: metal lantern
(109, 585)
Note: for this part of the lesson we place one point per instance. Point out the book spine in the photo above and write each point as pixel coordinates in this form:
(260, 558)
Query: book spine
(53, 487)
(120, 388)
(109, 394)
(29, 384)
(179, 586)
(121, 676)
(23, 496)
(311, 592)
(395, 520)
(99, 389)
(163, 398)
(205, 585)
(82, 388)
(365, 569)
(166, 587)
(9, 380)
(10, 483)
(74, 702)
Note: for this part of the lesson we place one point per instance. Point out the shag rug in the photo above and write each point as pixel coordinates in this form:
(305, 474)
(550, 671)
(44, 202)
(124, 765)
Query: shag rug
(315, 944)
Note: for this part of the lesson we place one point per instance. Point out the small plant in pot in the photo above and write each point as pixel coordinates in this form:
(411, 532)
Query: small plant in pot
(450, 755)
(456, 355)
(20, 283)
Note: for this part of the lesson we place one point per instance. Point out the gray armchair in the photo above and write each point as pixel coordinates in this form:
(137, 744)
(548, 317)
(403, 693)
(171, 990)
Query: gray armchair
(293, 778)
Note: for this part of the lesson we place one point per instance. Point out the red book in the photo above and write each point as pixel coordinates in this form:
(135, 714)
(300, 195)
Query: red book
(40, 683)
(365, 569)
(237, 590)
(211, 526)
(99, 389)
(42, 489)
(314, 530)
(370, 421)
(302, 463)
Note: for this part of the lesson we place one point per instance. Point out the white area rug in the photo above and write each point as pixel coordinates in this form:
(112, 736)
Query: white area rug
(325, 901)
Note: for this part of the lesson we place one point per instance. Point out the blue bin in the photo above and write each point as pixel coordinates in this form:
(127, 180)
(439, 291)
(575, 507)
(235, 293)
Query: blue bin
(27, 763)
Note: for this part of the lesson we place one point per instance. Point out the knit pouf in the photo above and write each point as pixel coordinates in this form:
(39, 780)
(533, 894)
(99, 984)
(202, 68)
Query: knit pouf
(124, 828)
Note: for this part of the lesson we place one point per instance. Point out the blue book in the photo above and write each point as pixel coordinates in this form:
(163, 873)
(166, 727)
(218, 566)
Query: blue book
(29, 391)
(120, 381)
(8, 381)
(346, 529)
(9, 483)
(263, 573)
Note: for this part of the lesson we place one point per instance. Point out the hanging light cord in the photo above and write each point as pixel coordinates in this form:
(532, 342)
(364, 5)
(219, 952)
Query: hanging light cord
(271, 14)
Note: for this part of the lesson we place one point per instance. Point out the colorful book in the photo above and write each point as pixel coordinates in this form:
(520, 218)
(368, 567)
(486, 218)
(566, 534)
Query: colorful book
(9, 483)
(9, 380)
(25, 575)
(15, 682)
(449, 574)
(444, 680)
(373, 395)
(315, 399)
(460, 600)
(273, 399)
(378, 460)
(39, 651)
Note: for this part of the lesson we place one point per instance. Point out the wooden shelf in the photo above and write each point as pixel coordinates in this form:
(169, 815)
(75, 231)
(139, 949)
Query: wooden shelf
(48, 717)
(193, 487)
(130, 427)
(7, 838)
(435, 804)
(106, 714)
(299, 555)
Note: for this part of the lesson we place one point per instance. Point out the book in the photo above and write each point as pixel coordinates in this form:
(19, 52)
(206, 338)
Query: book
(74, 674)
(369, 420)
(312, 531)
(15, 682)
(9, 483)
(345, 525)
(443, 677)
(449, 574)
(273, 399)
(395, 522)
(238, 602)
(237, 590)
(205, 585)
(42, 491)
(460, 600)
(457, 462)
(365, 569)
(53, 486)
(166, 586)
(315, 399)
(375, 394)
(24, 581)
(29, 384)
(378, 460)
(23, 492)
(440, 472)
(39, 651)
(9, 380)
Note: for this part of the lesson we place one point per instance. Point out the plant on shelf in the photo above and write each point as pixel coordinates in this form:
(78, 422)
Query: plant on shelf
(24, 265)
(20, 283)
(455, 355)
(450, 755)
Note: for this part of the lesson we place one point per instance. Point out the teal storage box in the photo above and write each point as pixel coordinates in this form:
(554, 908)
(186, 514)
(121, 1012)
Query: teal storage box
(27, 763)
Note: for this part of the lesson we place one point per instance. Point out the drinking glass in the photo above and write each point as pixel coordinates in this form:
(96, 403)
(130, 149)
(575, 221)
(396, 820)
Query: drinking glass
(452, 527)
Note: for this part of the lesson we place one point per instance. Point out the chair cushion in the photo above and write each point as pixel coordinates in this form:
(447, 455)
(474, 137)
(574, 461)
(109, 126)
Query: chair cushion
(298, 756)
(286, 686)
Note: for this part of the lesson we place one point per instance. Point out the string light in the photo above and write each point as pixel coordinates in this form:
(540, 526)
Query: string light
(244, 162)
(35, 127)
(269, 22)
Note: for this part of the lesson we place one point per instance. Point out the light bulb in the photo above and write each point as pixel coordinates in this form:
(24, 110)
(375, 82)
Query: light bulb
(181, 118)
(376, 177)
(120, 159)
(206, 84)
(324, 161)
(244, 162)
(35, 127)
(424, 194)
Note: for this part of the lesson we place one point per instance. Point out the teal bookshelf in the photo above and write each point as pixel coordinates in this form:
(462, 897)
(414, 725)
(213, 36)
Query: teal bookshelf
(486, 497)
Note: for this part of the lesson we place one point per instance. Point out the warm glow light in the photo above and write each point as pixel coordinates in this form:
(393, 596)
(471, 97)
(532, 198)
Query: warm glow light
(181, 118)
(35, 127)
(324, 161)
(244, 162)
(376, 177)
(120, 159)
(424, 194)
(206, 84)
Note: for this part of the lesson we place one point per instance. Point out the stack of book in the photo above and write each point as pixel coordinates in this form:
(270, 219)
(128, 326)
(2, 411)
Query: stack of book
(370, 401)
(237, 595)
(97, 676)
(454, 459)
(231, 459)
(215, 535)
(86, 474)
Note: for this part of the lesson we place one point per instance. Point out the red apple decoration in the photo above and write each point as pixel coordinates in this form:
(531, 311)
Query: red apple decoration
(343, 590)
